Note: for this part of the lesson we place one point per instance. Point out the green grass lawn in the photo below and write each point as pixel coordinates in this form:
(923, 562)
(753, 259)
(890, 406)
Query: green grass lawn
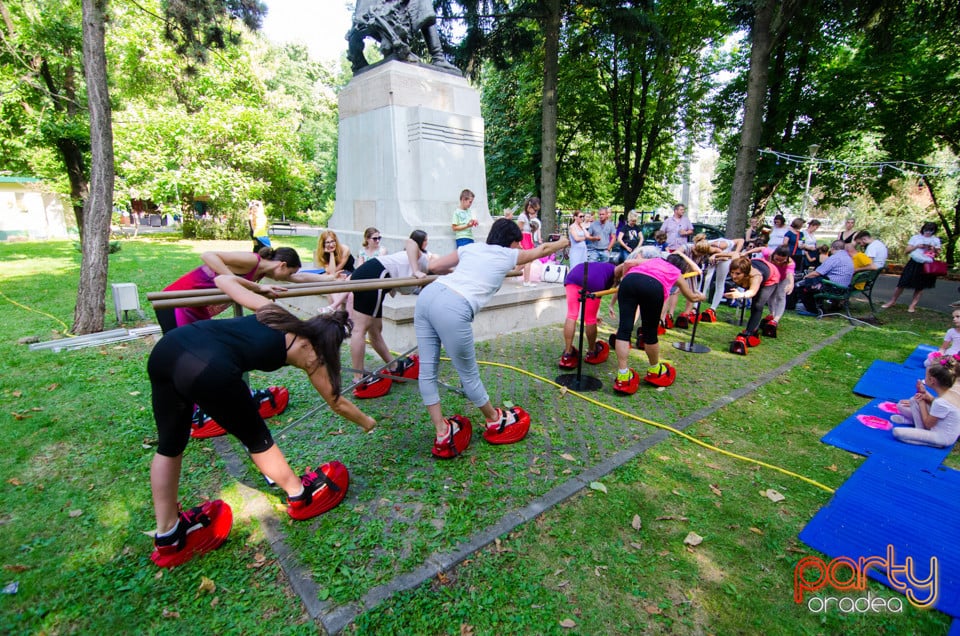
(77, 514)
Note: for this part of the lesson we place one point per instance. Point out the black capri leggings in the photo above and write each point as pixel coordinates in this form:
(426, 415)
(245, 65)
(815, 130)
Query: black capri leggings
(180, 379)
(756, 307)
(646, 292)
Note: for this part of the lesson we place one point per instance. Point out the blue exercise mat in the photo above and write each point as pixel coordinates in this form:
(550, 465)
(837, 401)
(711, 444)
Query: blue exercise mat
(888, 504)
(888, 380)
(916, 359)
(854, 435)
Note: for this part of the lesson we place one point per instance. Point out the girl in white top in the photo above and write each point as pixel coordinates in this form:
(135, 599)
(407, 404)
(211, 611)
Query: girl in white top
(951, 342)
(444, 316)
(935, 421)
(779, 231)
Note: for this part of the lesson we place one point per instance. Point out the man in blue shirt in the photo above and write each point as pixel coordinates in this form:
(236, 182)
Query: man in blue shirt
(838, 268)
(602, 233)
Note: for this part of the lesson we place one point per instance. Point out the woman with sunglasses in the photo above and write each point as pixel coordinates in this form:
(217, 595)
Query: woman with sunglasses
(372, 246)
(578, 240)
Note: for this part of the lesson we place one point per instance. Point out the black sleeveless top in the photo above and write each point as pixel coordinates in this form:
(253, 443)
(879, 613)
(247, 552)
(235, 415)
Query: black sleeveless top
(239, 344)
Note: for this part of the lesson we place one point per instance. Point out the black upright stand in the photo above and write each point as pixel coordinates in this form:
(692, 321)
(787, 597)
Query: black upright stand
(693, 347)
(577, 381)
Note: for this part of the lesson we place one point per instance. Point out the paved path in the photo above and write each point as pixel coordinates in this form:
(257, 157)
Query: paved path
(938, 298)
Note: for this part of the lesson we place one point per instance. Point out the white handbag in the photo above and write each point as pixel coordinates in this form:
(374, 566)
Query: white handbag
(554, 273)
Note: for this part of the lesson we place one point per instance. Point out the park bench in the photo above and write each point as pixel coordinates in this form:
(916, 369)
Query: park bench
(283, 227)
(840, 295)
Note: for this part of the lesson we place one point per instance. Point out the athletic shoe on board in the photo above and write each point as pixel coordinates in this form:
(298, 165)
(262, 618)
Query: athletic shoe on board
(202, 426)
(708, 315)
(272, 400)
(627, 385)
(510, 426)
(739, 346)
(599, 354)
(456, 440)
(569, 360)
(661, 374)
(769, 328)
(200, 529)
(408, 367)
(323, 489)
(372, 387)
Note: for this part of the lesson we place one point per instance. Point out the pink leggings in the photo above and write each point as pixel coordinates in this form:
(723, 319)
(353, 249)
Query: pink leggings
(573, 305)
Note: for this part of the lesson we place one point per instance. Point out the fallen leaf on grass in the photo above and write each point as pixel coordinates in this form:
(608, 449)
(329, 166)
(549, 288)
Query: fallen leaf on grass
(568, 623)
(53, 386)
(214, 602)
(652, 609)
(756, 530)
(19, 416)
(17, 394)
(832, 467)
(207, 585)
(716, 491)
(169, 613)
(636, 546)
(466, 630)
(713, 466)
(259, 560)
(596, 570)
(443, 579)
(75, 513)
(772, 495)
(566, 471)
(568, 457)
(563, 391)
(693, 539)
(596, 485)
(563, 584)
(16, 568)
(13, 481)
(134, 393)
(671, 518)
(636, 523)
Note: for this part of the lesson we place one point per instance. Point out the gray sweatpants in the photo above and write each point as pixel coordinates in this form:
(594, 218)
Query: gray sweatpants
(444, 318)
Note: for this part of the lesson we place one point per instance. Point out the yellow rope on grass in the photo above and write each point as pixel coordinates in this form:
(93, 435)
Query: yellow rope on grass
(665, 427)
(66, 329)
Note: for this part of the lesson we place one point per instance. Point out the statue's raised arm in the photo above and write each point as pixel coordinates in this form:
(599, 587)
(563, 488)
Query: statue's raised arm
(394, 24)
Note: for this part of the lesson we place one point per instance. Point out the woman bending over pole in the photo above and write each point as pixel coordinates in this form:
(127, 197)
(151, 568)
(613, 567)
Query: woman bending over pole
(203, 363)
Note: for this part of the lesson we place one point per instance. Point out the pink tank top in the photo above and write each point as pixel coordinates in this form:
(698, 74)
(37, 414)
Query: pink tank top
(661, 271)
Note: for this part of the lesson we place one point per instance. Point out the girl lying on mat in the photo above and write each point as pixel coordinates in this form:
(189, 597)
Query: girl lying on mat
(936, 421)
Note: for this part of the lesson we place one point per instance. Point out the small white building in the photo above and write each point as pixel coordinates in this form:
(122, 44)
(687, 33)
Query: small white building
(27, 211)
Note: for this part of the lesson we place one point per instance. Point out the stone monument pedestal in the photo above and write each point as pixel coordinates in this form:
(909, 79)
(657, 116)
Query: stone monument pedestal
(411, 138)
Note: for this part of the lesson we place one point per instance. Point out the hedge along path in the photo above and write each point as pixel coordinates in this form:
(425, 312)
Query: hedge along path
(409, 517)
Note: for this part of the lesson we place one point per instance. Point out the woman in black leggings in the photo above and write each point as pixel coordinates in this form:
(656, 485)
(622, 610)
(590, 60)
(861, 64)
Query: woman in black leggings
(203, 363)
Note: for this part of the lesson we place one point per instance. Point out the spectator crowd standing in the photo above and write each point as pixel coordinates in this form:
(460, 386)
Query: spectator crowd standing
(650, 276)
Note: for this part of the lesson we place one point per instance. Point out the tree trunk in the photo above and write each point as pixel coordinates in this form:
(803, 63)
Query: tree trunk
(548, 144)
(95, 224)
(746, 167)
